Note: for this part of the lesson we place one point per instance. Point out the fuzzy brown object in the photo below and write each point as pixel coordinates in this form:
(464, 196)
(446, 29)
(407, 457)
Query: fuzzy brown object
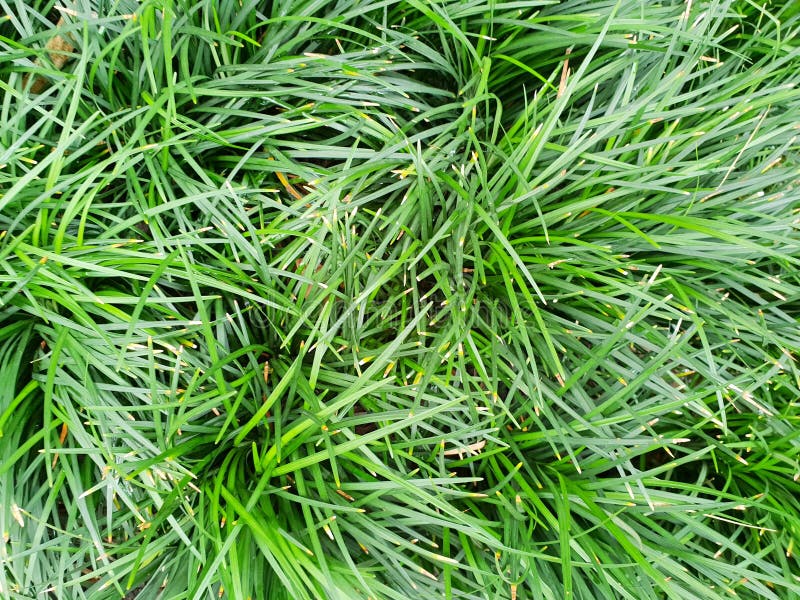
(58, 49)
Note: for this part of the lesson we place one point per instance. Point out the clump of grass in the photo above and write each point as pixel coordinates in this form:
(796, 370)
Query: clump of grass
(316, 299)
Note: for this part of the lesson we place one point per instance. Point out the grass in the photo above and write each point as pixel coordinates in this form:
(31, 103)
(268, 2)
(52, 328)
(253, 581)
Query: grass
(380, 299)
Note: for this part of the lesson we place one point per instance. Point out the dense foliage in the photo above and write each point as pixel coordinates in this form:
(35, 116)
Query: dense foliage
(399, 299)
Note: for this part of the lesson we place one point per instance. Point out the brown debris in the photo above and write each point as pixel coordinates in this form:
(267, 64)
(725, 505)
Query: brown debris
(58, 49)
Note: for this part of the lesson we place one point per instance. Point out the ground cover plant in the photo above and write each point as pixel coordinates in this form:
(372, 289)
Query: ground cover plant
(399, 299)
